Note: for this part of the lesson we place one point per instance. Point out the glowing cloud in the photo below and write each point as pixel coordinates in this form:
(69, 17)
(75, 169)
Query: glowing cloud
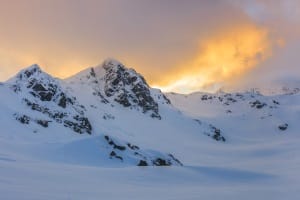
(221, 59)
(181, 46)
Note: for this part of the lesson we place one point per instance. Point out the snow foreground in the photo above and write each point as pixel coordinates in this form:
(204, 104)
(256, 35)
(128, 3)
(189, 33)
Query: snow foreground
(104, 133)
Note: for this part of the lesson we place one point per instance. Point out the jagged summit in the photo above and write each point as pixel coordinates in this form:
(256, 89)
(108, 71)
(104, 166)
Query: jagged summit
(111, 82)
(36, 82)
(24, 74)
(97, 70)
(43, 95)
(114, 82)
(33, 68)
(112, 62)
(128, 88)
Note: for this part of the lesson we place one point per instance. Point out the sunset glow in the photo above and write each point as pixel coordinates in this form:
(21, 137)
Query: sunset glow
(179, 46)
(221, 59)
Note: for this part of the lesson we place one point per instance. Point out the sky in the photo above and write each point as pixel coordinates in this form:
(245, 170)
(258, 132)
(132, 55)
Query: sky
(180, 46)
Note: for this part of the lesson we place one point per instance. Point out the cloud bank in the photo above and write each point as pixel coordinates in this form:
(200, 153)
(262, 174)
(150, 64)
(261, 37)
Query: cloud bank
(181, 46)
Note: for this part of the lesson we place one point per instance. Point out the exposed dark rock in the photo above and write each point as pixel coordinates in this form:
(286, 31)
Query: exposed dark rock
(168, 101)
(45, 92)
(257, 104)
(112, 154)
(37, 87)
(46, 96)
(133, 147)
(161, 162)
(128, 88)
(276, 102)
(43, 123)
(81, 125)
(173, 157)
(84, 123)
(142, 163)
(231, 99)
(108, 117)
(42, 87)
(93, 74)
(73, 126)
(134, 152)
(283, 127)
(112, 143)
(121, 148)
(103, 99)
(198, 121)
(123, 99)
(63, 101)
(217, 134)
(30, 71)
(204, 97)
(24, 119)
(119, 157)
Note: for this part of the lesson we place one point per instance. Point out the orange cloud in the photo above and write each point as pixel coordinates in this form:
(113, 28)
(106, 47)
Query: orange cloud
(222, 58)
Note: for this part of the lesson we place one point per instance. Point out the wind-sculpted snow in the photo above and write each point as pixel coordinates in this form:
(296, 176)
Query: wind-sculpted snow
(107, 151)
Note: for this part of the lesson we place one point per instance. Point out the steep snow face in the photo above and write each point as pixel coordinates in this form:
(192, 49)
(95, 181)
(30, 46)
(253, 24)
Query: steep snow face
(43, 94)
(113, 82)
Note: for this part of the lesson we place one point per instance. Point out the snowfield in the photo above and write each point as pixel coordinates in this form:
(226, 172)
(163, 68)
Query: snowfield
(105, 134)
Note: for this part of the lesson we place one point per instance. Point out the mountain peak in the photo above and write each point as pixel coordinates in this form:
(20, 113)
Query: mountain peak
(111, 62)
(31, 70)
(34, 66)
(128, 88)
(48, 101)
(116, 68)
(114, 82)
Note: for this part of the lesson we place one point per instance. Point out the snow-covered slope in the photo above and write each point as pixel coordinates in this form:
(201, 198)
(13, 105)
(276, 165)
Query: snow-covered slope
(133, 123)
(82, 138)
(247, 115)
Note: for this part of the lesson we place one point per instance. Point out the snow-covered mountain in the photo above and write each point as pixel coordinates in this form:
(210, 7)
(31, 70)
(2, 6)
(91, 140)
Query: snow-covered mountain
(248, 113)
(50, 102)
(111, 82)
(110, 102)
(98, 124)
